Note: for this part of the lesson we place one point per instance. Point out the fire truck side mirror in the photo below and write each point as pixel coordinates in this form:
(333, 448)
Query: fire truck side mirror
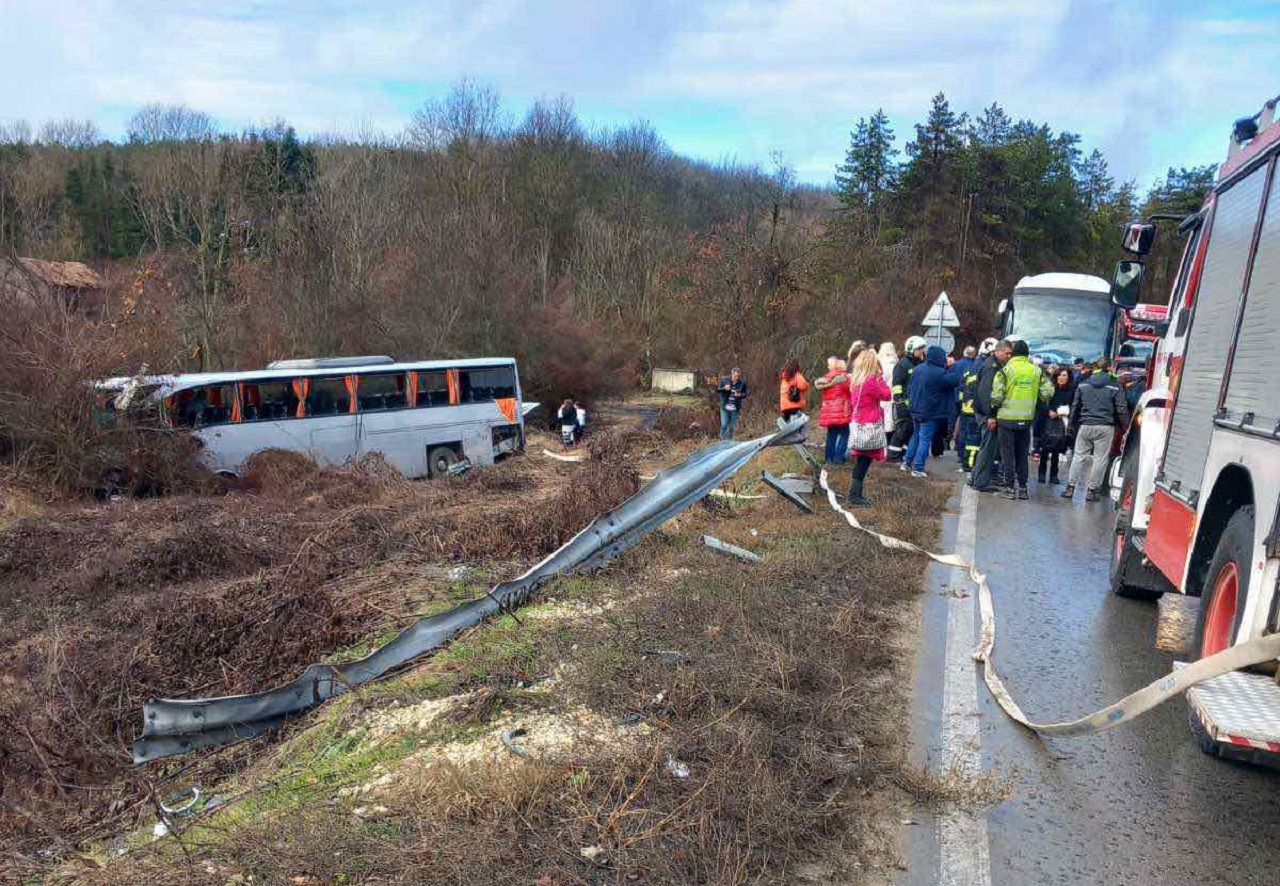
(1000, 314)
(1138, 237)
(1126, 284)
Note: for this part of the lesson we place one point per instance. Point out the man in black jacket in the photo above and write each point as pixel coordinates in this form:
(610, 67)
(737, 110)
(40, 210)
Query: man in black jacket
(1098, 409)
(985, 462)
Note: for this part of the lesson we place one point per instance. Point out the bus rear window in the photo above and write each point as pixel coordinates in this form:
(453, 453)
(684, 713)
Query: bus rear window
(485, 385)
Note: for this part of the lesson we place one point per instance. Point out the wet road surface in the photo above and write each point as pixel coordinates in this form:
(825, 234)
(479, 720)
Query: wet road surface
(1139, 804)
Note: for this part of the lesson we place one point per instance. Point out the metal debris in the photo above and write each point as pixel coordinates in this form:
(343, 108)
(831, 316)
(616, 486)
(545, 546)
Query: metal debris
(176, 726)
(508, 739)
(785, 491)
(732, 550)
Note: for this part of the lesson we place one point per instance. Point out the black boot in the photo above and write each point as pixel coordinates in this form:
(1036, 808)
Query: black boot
(855, 495)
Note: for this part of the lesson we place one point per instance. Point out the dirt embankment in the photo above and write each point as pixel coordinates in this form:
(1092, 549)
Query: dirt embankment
(678, 717)
(104, 605)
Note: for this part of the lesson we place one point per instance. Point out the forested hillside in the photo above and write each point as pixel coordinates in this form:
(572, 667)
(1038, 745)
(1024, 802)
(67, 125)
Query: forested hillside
(591, 255)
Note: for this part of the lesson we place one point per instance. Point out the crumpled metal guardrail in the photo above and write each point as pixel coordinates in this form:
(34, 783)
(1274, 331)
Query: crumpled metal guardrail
(177, 726)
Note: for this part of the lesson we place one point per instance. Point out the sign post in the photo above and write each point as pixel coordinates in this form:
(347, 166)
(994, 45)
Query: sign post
(940, 316)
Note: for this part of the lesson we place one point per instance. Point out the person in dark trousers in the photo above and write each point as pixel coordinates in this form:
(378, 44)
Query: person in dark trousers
(1053, 439)
(733, 390)
(969, 433)
(835, 412)
(900, 435)
(1097, 409)
(932, 394)
(968, 362)
(867, 392)
(984, 461)
(1015, 392)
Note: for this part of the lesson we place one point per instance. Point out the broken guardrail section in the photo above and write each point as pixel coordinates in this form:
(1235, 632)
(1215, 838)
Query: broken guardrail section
(175, 726)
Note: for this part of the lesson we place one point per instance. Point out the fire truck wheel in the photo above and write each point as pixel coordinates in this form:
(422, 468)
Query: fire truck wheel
(1226, 583)
(1129, 576)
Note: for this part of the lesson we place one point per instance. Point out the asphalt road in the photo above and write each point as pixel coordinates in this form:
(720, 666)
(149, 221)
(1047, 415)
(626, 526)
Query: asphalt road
(1139, 804)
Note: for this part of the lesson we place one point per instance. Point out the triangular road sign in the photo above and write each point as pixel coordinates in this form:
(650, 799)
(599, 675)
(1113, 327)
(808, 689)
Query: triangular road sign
(941, 313)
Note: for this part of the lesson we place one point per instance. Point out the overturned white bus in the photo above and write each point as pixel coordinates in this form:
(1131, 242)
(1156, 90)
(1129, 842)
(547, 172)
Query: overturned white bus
(422, 417)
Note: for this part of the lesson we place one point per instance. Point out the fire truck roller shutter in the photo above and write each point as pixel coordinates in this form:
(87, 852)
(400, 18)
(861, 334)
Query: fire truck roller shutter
(1255, 371)
(1212, 326)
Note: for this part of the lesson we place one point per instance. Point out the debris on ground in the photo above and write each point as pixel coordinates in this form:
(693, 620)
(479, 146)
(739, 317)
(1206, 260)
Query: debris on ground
(787, 491)
(732, 550)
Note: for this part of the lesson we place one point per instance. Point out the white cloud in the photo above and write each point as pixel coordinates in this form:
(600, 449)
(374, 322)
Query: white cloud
(1142, 79)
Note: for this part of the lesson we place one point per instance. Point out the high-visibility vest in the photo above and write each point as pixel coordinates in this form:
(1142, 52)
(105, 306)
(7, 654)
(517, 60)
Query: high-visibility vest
(1017, 387)
(969, 391)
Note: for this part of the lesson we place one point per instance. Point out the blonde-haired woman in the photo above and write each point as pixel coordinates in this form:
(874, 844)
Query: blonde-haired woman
(867, 391)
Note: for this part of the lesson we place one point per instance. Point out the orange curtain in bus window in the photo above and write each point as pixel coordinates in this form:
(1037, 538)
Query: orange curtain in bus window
(353, 383)
(508, 407)
(237, 414)
(451, 378)
(301, 386)
(411, 398)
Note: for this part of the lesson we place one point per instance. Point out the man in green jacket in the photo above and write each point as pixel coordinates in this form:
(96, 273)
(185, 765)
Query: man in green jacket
(1015, 391)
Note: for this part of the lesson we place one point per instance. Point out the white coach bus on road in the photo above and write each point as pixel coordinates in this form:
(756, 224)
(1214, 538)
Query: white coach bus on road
(422, 417)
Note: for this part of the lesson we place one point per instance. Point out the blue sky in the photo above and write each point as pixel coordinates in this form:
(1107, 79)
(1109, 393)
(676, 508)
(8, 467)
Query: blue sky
(1152, 84)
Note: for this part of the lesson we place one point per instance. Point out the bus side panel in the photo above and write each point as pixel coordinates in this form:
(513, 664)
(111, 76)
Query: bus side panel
(1169, 534)
(1260, 457)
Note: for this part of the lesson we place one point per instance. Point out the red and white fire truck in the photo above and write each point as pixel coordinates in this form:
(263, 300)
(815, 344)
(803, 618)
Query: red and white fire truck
(1198, 484)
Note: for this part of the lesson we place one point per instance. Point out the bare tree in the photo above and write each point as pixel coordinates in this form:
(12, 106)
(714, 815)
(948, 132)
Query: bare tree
(70, 133)
(169, 123)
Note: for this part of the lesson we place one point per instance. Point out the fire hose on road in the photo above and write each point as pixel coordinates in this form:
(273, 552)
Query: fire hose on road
(1128, 708)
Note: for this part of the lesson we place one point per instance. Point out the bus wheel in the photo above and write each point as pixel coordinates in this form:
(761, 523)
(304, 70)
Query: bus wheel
(439, 460)
(1129, 576)
(1225, 585)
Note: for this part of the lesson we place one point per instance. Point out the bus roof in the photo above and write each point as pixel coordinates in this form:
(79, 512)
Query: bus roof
(1063, 281)
(169, 384)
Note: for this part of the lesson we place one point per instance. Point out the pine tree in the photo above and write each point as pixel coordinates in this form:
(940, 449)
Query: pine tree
(870, 170)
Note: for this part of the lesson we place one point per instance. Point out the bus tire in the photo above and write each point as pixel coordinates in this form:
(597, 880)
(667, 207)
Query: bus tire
(1226, 582)
(1130, 577)
(439, 460)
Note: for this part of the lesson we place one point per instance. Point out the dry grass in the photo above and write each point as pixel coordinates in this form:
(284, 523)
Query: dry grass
(103, 606)
(778, 687)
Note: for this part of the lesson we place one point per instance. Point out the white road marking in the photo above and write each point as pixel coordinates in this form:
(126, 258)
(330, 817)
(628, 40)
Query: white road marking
(964, 858)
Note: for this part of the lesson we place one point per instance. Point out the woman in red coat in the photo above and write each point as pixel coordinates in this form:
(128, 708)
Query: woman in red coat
(835, 410)
(867, 391)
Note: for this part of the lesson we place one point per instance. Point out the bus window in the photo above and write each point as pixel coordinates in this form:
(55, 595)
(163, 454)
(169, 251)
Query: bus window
(433, 389)
(328, 396)
(199, 407)
(382, 390)
(270, 401)
(486, 385)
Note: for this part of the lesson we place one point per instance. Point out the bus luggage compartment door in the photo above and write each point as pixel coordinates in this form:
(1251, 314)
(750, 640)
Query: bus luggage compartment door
(334, 442)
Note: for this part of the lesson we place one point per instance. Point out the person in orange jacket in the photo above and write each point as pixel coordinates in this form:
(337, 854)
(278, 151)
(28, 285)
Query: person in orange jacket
(793, 390)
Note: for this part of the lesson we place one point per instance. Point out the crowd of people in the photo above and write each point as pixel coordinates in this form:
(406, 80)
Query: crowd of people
(997, 405)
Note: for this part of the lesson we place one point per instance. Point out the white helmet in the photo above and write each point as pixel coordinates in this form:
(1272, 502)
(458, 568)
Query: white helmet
(915, 342)
(988, 345)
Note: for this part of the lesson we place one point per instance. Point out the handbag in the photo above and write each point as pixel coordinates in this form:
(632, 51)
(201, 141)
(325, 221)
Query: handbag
(865, 436)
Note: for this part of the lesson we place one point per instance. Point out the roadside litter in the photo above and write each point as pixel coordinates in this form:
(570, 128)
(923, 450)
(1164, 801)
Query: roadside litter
(1128, 708)
(732, 550)
(787, 490)
(558, 457)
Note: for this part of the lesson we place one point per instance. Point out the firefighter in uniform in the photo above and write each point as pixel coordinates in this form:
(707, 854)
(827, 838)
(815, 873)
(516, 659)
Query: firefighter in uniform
(970, 428)
(913, 356)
